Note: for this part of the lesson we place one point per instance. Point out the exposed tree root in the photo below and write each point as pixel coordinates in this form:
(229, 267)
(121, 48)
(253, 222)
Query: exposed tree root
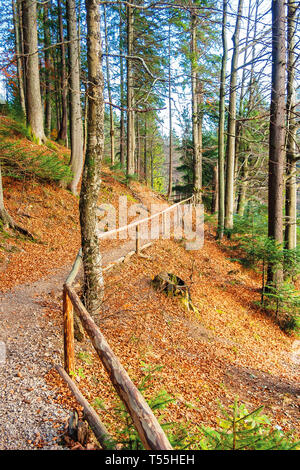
(8, 222)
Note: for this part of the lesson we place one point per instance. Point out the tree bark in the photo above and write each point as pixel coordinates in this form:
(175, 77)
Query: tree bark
(16, 21)
(91, 180)
(122, 96)
(111, 114)
(195, 112)
(130, 96)
(34, 110)
(170, 117)
(231, 133)
(62, 133)
(291, 160)
(75, 99)
(48, 67)
(221, 139)
(277, 133)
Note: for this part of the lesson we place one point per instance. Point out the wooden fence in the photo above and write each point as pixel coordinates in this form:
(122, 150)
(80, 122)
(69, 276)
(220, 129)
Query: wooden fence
(146, 424)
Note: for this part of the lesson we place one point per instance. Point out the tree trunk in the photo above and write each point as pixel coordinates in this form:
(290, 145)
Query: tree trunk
(34, 110)
(130, 96)
(231, 133)
(62, 133)
(122, 98)
(170, 117)
(221, 140)
(277, 133)
(111, 114)
(75, 99)
(291, 162)
(16, 20)
(48, 67)
(215, 196)
(91, 180)
(195, 113)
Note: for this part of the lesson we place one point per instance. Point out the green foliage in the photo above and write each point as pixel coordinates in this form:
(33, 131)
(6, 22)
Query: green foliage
(262, 253)
(284, 302)
(85, 357)
(19, 163)
(239, 429)
(127, 435)
(17, 127)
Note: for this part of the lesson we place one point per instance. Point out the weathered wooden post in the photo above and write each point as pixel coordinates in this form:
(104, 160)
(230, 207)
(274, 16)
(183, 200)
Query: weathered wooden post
(69, 355)
(137, 240)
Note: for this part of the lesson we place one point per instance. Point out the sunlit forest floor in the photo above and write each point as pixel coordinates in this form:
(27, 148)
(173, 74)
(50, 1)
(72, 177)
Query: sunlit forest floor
(229, 349)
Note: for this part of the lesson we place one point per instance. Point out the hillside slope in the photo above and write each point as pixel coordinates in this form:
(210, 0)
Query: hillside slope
(230, 348)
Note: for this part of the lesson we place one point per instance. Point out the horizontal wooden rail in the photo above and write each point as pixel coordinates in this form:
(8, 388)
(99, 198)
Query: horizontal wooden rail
(142, 221)
(146, 424)
(98, 428)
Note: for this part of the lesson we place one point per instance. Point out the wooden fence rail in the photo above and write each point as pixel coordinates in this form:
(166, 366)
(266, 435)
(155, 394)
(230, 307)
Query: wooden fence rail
(146, 424)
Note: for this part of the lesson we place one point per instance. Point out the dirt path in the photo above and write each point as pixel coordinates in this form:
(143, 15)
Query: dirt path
(34, 344)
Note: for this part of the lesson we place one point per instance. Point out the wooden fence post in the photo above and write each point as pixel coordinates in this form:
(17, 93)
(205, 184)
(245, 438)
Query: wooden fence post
(146, 424)
(69, 355)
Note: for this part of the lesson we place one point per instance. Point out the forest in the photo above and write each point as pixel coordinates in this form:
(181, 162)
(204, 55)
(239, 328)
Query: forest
(127, 129)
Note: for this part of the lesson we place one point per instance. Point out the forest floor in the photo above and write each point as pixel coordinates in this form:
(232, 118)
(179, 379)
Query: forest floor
(230, 348)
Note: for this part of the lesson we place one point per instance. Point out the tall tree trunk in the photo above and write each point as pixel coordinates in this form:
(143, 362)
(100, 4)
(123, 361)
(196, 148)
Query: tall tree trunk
(243, 187)
(231, 133)
(138, 149)
(241, 156)
(62, 133)
(111, 114)
(130, 96)
(34, 109)
(146, 172)
(221, 139)
(215, 196)
(277, 133)
(16, 19)
(170, 117)
(195, 113)
(91, 180)
(48, 67)
(122, 96)
(75, 99)
(291, 162)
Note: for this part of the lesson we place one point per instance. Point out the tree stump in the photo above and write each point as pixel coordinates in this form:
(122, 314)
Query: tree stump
(171, 284)
(174, 286)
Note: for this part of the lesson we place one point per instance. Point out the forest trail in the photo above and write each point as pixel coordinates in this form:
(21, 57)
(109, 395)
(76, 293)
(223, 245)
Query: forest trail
(230, 349)
(29, 416)
(34, 344)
